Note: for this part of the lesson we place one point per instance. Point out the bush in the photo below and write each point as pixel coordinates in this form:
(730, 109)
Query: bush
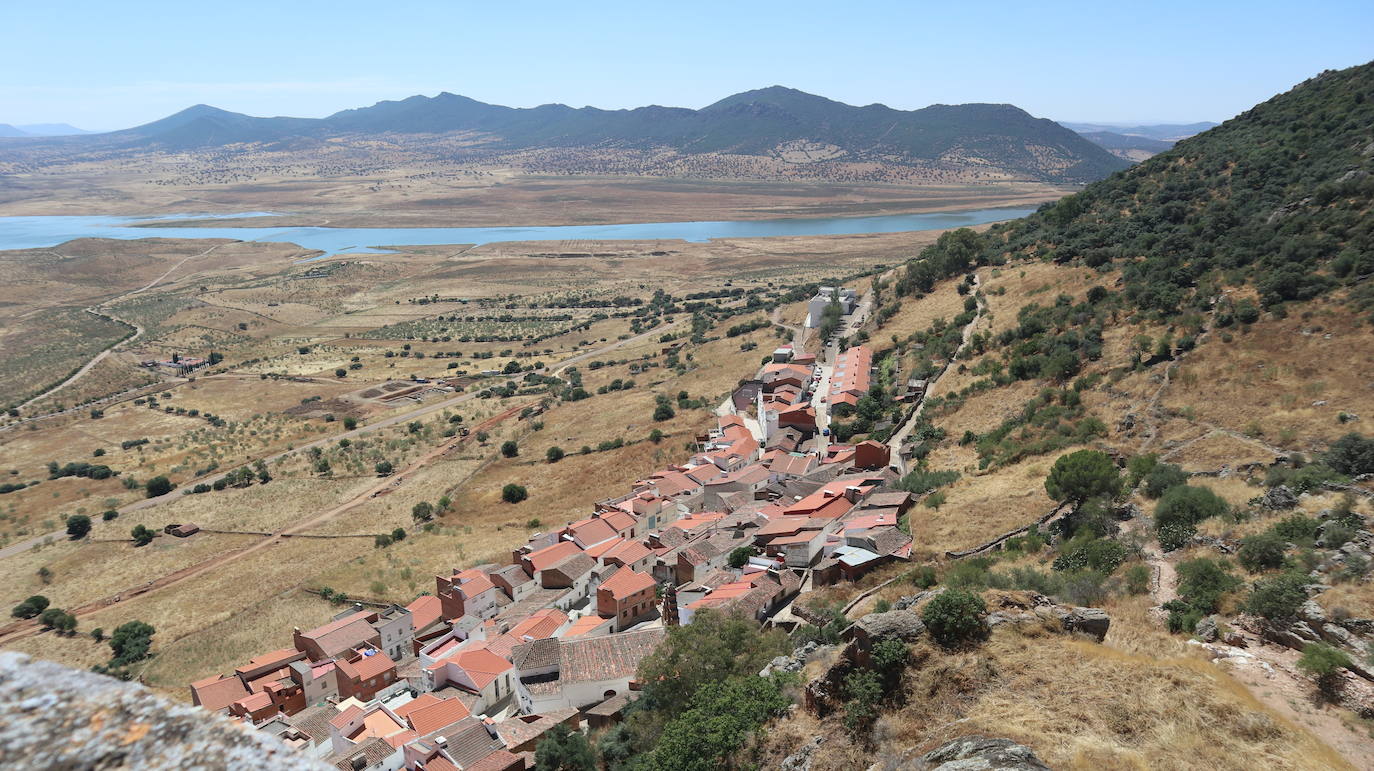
(954, 617)
(1324, 664)
(159, 485)
(739, 557)
(1101, 554)
(1203, 582)
(350, 423)
(513, 493)
(1162, 478)
(1138, 579)
(382, 541)
(142, 535)
(1278, 598)
(1262, 551)
(1179, 511)
(923, 577)
(78, 526)
(1298, 529)
(664, 412)
(131, 642)
(509, 448)
(1352, 454)
(554, 454)
(31, 607)
(384, 468)
(422, 511)
(109, 515)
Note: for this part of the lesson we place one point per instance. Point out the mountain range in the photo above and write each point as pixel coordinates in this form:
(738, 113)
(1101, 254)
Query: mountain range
(41, 130)
(764, 122)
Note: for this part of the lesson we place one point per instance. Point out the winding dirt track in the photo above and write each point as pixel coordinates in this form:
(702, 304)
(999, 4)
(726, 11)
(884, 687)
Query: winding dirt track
(21, 629)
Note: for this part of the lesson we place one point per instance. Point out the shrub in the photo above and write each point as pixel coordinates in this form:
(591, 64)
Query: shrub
(78, 526)
(383, 468)
(663, 412)
(109, 515)
(1324, 664)
(31, 607)
(1203, 582)
(513, 493)
(382, 541)
(422, 511)
(1179, 511)
(954, 617)
(1352, 454)
(509, 448)
(131, 642)
(1298, 528)
(141, 535)
(1101, 554)
(1262, 551)
(739, 557)
(554, 454)
(1162, 478)
(923, 577)
(1138, 579)
(1278, 597)
(159, 485)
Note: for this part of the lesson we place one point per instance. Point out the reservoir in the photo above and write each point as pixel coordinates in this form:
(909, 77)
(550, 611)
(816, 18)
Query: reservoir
(46, 231)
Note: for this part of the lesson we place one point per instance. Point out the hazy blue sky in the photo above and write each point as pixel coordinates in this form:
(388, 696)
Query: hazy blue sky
(104, 64)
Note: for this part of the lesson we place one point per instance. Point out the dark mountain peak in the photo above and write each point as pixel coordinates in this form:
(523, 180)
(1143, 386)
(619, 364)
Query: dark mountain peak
(777, 96)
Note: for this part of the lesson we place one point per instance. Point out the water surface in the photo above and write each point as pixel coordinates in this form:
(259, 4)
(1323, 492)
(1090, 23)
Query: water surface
(39, 232)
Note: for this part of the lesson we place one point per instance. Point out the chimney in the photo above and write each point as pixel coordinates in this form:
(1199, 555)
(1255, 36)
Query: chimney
(442, 741)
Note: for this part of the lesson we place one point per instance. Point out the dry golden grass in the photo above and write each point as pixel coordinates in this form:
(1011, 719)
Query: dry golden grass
(1147, 704)
(979, 508)
(944, 302)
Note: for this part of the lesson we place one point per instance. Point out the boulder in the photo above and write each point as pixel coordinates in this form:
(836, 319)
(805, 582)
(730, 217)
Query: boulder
(904, 625)
(1279, 498)
(1206, 629)
(980, 753)
(1312, 613)
(801, 759)
(1339, 635)
(55, 717)
(1090, 621)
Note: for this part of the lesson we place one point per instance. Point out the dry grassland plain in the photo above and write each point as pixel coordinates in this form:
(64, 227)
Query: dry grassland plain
(283, 334)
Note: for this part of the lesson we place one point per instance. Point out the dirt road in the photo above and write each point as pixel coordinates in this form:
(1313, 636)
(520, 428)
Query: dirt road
(26, 628)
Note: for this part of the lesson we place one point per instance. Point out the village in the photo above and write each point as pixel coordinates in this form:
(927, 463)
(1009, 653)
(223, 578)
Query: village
(472, 676)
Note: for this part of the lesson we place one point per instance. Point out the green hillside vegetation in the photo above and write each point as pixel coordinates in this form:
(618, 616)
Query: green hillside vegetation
(1279, 197)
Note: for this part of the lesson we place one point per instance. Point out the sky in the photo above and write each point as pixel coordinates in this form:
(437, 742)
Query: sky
(106, 65)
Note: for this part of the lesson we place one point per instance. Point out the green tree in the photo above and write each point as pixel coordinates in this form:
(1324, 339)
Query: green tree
(1278, 598)
(563, 749)
(554, 454)
(714, 647)
(78, 526)
(655, 436)
(1162, 478)
(954, 617)
(721, 716)
(422, 511)
(30, 607)
(510, 449)
(350, 423)
(1081, 475)
(158, 485)
(340, 372)
(513, 493)
(1203, 582)
(131, 642)
(1262, 551)
(399, 534)
(1324, 664)
(664, 412)
(739, 557)
(142, 535)
(384, 468)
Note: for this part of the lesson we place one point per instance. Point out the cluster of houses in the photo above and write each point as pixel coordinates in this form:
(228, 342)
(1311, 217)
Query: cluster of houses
(473, 675)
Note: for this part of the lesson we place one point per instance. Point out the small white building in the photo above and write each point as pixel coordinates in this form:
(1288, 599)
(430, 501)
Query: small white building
(815, 309)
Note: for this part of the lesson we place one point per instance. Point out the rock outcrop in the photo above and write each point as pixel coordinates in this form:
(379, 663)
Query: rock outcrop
(971, 753)
(55, 717)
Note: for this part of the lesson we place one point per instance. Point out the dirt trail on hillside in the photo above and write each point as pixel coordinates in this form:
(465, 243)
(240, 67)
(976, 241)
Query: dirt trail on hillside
(21, 629)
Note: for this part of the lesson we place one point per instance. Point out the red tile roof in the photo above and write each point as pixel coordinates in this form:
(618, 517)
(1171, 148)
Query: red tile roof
(583, 626)
(549, 556)
(626, 582)
(607, 657)
(424, 611)
(216, 693)
(432, 717)
(367, 667)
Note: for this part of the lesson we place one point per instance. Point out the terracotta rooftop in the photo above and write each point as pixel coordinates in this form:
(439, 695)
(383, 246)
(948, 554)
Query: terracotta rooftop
(432, 717)
(339, 636)
(584, 625)
(367, 667)
(218, 692)
(607, 657)
(373, 751)
(424, 611)
(626, 582)
(549, 556)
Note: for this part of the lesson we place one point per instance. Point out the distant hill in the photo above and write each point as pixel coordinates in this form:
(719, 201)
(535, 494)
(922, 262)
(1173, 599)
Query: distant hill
(1132, 148)
(1169, 132)
(6, 130)
(775, 122)
(52, 130)
(1281, 196)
